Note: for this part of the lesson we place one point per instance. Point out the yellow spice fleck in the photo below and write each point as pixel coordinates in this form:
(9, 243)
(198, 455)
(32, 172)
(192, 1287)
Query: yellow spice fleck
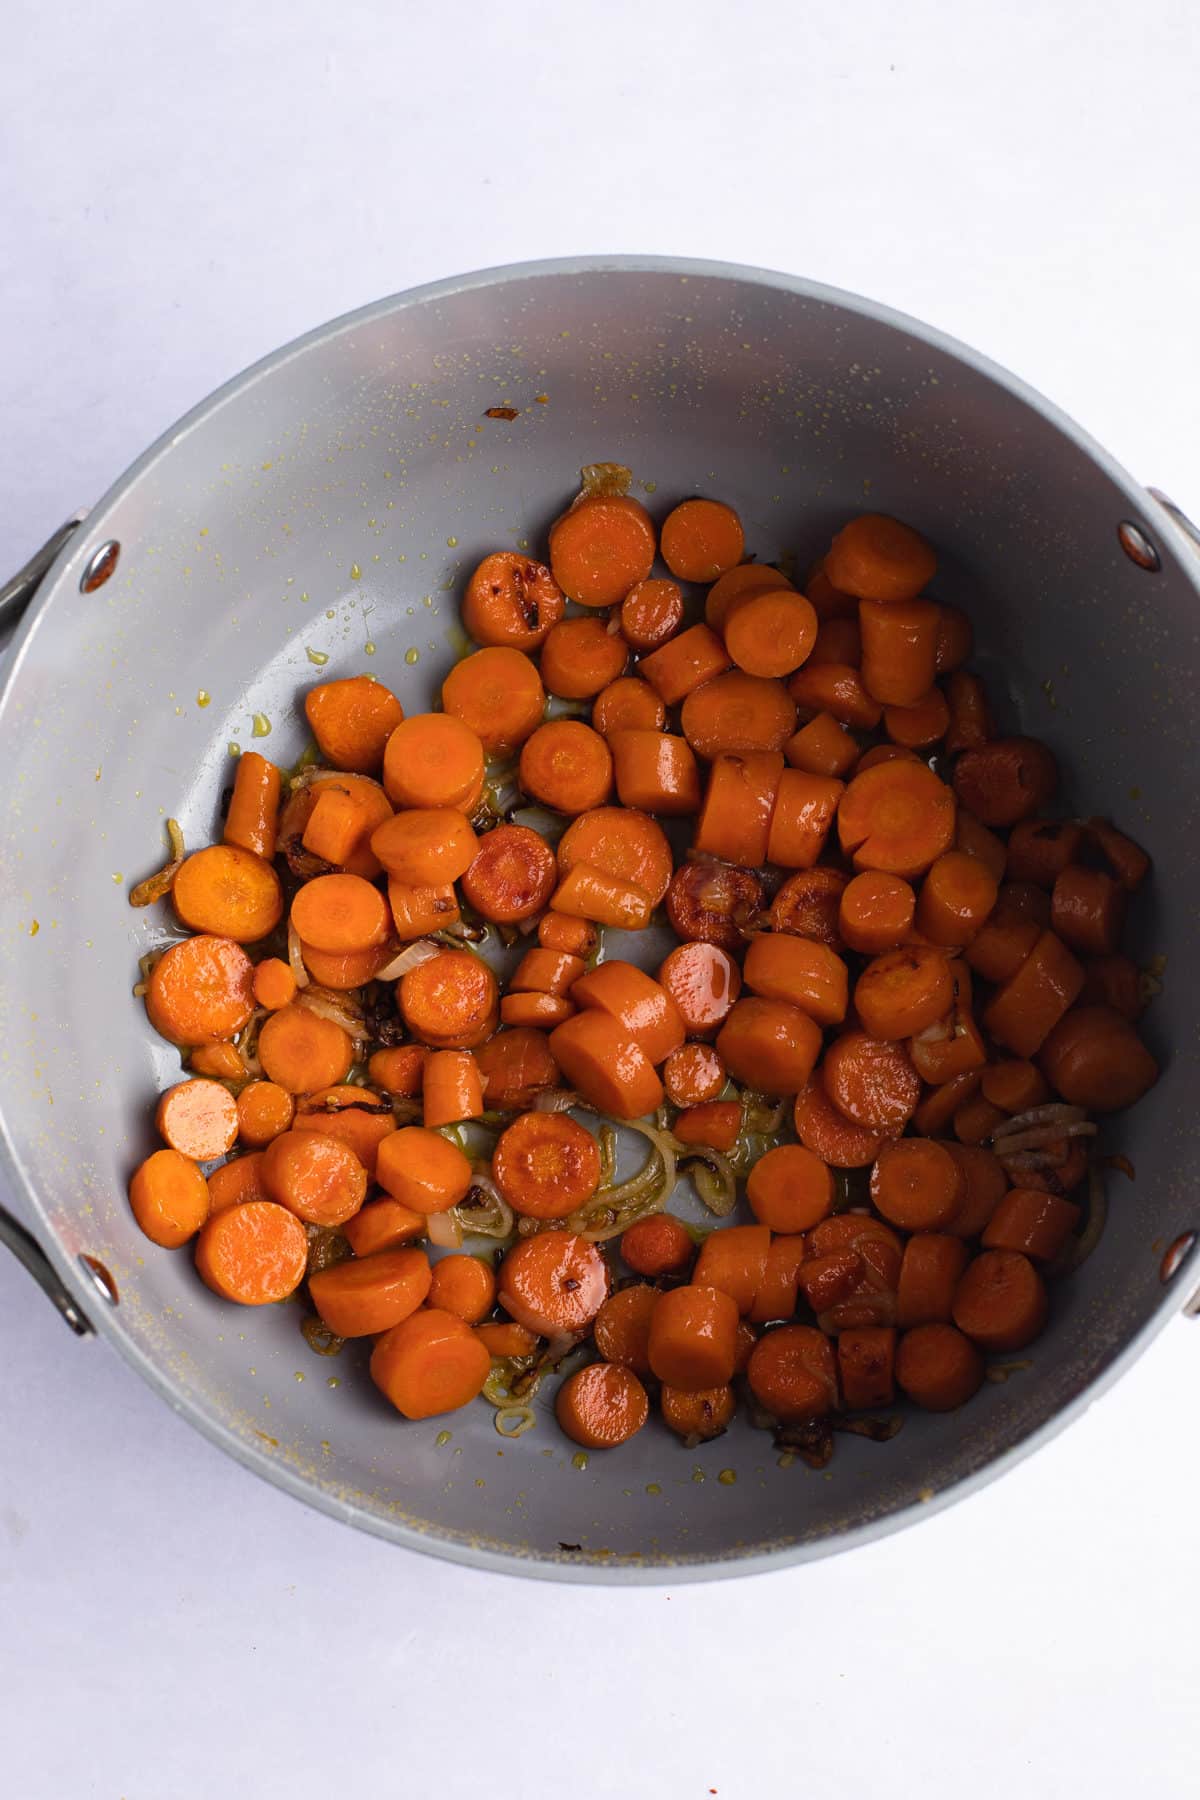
(203, 698)
(727, 1477)
(34, 929)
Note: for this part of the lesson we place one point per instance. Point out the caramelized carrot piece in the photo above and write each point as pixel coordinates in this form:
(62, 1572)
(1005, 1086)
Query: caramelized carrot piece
(430, 1363)
(382, 1225)
(883, 753)
(651, 612)
(1087, 910)
(710, 903)
(976, 1120)
(733, 1261)
(574, 937)
(1000, 1302)
(659, 1245)
(871, 1082)
(780, 1284)
(698, 1417)
(802, 971)
(511, 599)
(505, 1340)
(969, 718)
(341, 914)
(808, 904)
(601, 1406)
(546, 972)
(899, 649)
(903, 992)
(1031, 1223)
(735, 819)
(951, 1046)
(837, 689)
(343, 969)
(516, 1066)
(682, 663)
(424, 1171)
(930, 1269)
(169, 1198)
(262, 1112)
(987, 1185)
(370, 1294)
(352, 721)
(274, 984)
(702, 540)
(621, 1329)
(1014, 1086)
(567, 766)
(317, 1177)
(1003, 942)
(955, 639)
(1094, 1058)
(450, 1001)
(827, 1132)
(715, 1123)
(704, 981)
(655, 772)
(425, 846)
(400, 1071)
(735, 713)
(581, 657)
(333, 812)
(222, 1061)
(916, 1184)
(1007, 780)
(640, 1005)
(770, 633)
(546, 1165)
(628, 845)
(804, 810)
(1023, 1012)
(229, 892)
(464, 1286)
(627, 704)
(1039, 850)
(822, 747)
(586, 892)
(353, 1115)
(236, 1182)
(253, 817)
(499, 694)
(746, 578)
(535, 1011)
(1109, 981)
(693, 1074)
(938, 1368)
(976, 840)
(434, 760)
(875, 912)
(253, 1254)
(600, 1059)
(957, 895)
(1127, 860)
(791, 1373)
(302, 1051)
(693, 1338)
(554, 1284)
(601, 547)
(770, 1045)
(897, 817)
(790, 1189)
(867, 1367)
(838, 641)
(453, 1088)
(921, 725)
(877, 558)
(512, 875)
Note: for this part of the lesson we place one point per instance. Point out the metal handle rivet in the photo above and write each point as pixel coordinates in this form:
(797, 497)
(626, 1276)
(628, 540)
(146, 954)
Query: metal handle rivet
(1137, 546)
(101, 1279)
(99, 566)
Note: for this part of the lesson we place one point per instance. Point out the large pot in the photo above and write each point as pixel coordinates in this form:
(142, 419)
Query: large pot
(333, 498)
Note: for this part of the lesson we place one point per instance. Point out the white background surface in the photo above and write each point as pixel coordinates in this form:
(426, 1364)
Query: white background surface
(183, 187)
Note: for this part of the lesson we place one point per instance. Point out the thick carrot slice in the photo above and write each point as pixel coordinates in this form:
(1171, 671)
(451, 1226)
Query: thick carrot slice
(897, 817)
(838, 641)
(601, 1406)
(236, 1182)
(424, 1171)
(516, 1066)
(453, 1088)
(554, 1284)
(369, 804)
(770, 1045)
(199, 1119)
(702, 540)
(502, 1339)
(1087, 910)
(780, 1284)
(621, 1329)
(954, 1045)
(511, 599)
(355, 1116)
(976, 1120)
(651, 612)
(314, 1175)
(499, 694)
(938, 1368)
(837, 689)
(1127, 860)
(693, 1338)
(882, 753)
(370, 1294)
(627, 704)
(581, 657)
(1109, 981)
(877, 558)
(875, 1243)
(770, 633)
(222, 1061)
(875, 912)
(450, 1001)
(254, 1254)
(866, 1359)
(343, 969)
(434, 760)
(512, 875)
(871, 1082)
(640, 1005)
(169, 1198)
(704, 981)
(400, 1071)
(969, 718)
(352, 722)
(1003, 942)
(735, 820)
(229, 892)
(535, 1011)
(822, 747)
(736, 713)
(1000, 1302)
(746, 578)
(790, 1189)
(808, 974)
(426, 846)
(987, 1185)
(1022, 1013)
(903, 992)
(567, 766)
(263, 1110)
(1034, 1224)
(464, 1286)
(253, 817)
(601, 547)
(337, 823)
(828, 1133)
(1094, 1058)
(546, 1165)
(791, 1373)
(382, 1225)
(917, 1185)
(274, 984)
(921, 725)
(546, 972)
(804, 811)
(717, 1123)
(656, 772)
(302, 1051)
(808, 905)
(1040, 849)
(935, 1114)
(930, 1269)
(659, 1245)
(955, 639)
(1007, 780)
(341, 914)
(710, 903)
(597, 1056)
(699, 1417)
(976, 840)
(733, 1261)
(682, 663)
(693, 1074)
(574, 937)
(1015, 1085)
(430, 1363)
(586, 892)
(899, 649)
(623, 843)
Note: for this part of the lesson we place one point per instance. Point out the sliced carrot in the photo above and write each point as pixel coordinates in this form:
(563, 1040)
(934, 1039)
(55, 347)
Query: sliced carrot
(735, 818)
(830, 1282)
(567, 766)
(936, 1111)
(838, 641)
(263, 1110)
(1000, 1302)
(236, 1182)
(370, 1294)
(627, 704)
(581, 657)
(710, 903)
(623, 843)
(274, 984)
(1023, 1012)
(546, 972)
(169, 1198)
(355, 1116)
(656, 772)
(837, 689)
(770, 633)
(903, 992)
(921, 725)
(222, 1061)
(601, 547)
(317, 1177)
(698, 1417)
(1039, 850)
(808, 974)
(424, 846)
(546, 1165)
(1087, 910)
(866, 1358)
(352, 721)
(575, 937)
(1094, 1058)
(969, 718)
(693, 1338)
(733, 1260)
(876, 911)
(976, 840)
(957, 895)
(651, 612)
(976, 1120)
(512, 875)
(434, 760)
(1127, 860)
(505, 1340)
(704, 981)
(535, 1011)
(253, 1254)
(453, 1088)
(423, 1170)
(400, 1071)
(511, 599)
(1015, 1085)
(554, 1284)
(822, 747)
(621, 1329)
(871, 1082)
(430, 1363)
(930, 1269)
(954, 1045)
(600, 1059)
(715, 1123)
(683, 662)
(899, 649)
(382, 1225)
(329, 812)
(808, 905)
(790, 1189)
(877, 558)
(1007, 780)
(659, 1245)
(828, 602)
(1033, 1224)
(343, 969)
(916, 1184)
(938, 1368)
(770, 1045)
(1109, 981)
(253, 817)
(780, 1284)
(693, 1074)
(302, 1051)
(987, 1185)
(229, 892)
(955, 639)
(450, 1002)
(586, 892)
(876, 1243)
(341, 914)
(897, 817)
(464, 1286)
(1003, 942)
(792, 1374)
(828, 1133)
(640, 1005)
(516, 1066)
(746, 578)
(199, 1118)
(702, 540)
(804, 811)
(601, 1406)
(883, 753)
(499, 694)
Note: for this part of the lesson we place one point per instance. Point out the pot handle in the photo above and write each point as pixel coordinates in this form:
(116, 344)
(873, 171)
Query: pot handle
(1177, 516)
(29, 1252)
(16, 594)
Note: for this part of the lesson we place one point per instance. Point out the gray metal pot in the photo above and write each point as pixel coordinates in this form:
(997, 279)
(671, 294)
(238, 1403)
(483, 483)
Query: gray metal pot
(330, 501)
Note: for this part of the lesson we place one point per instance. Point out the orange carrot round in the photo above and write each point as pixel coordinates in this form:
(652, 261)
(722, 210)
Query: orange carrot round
(198, 1118)
(169, 1198)
(253, 1254)
(581, 657)
(735, 713)
(802, 971)
(987, 1184)
(804, 811)
(223, 1062)
(693, 1074)
(771, 632)
(601, 547)
(343, 969)
(717, 1123)
(704, 981)
(693, 1338)
(877, 558)
(921, 725)
(511, 599)
(745, 578)
(956, 897)
(554, 1284)
(876, 911)
(897, 817)
(423, 845)
(807, 905)
(735, 819)
(352, 721)
(836, 689)
(822, 747)
(236, 1181)
(916, 1184)
(511, 876)
(262, 1111)
(625, 844)
(710, 903)
(702, 540)
(516, 1067)
(866, 1359)
(1022, 1013)
(651, 612)
(430, 1363)
(639, 1004)
(697, 1417)
(792, 1375)
(546, 1165)
(274, 984)
(601, 1406)
(382, 1225)
(434, 760)
(655, 772)
(370, 1294)
(938, 1368)
(659, 1245)
(1000, 1302)
(464, 1286)
(1040, 849)
(399, 1071)
(828, 1133)
(903, 992)
(536, 1012)
(612, 1071)
(734, 1260)
(1094, 1058)
(1032, 1223)
(627, 704)
(502, 1338)
(252, 820)
(499, 694)
(684, 662)
(453, 1088)
(899, 649)
(770, 1045)
(422, 1170)
(317, 1177)
(790, 1189)
(621, 1329)
(871, 1082)
(341, 914)
(450, 1001)
(1007, 780)
(1087, 910)
(567, 766)
(930, 1269)
(229, 892)
(302, 1051)
(935, 1114)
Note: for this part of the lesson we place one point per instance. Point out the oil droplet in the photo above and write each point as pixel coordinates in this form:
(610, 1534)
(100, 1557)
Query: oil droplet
(34, 929)
(412, 656)
(727, 1477)
(443, 1437)
(479, 1481)
(233, 749)
(786, 1460)
(331, 614)
(368, 649)
(299, 1374)
(317, 656)
(650, 487)
(452, 543)
(925, 1493)
(118, 877)
(262, 726)
(96, 776)
(203, 698)
(542, 399)
(303, 599)
(332, 1381)
(698, 1475)
(652, 1487)
(326, 1447)
(579, 1460)
(355, 572)
(427, 600)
